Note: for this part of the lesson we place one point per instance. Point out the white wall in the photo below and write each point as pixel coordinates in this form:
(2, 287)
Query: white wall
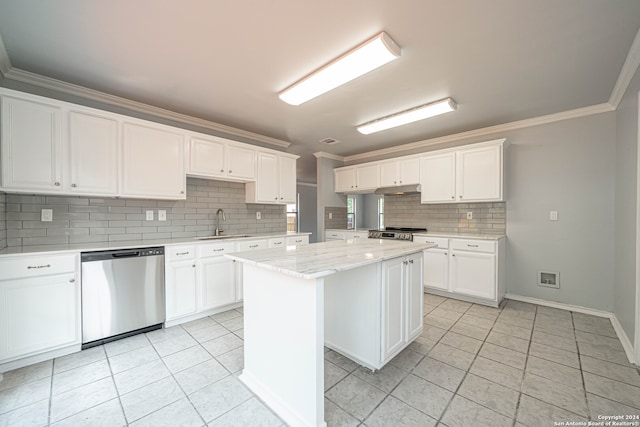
(327, 197)
(307, 209)
(626, 196)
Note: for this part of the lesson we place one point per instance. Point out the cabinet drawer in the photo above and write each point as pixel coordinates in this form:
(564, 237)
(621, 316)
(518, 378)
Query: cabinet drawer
(250, 245)
(335, 235)
(217, 249)
(177, 253)
(33, 266)
(474, 245)
(277, 242)
(441, 242)
(297, 240)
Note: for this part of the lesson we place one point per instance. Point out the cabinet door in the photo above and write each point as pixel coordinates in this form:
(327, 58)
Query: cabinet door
(38, 314)
(479, 174)
(367, 177)
(473, 274)
(345, 180)
(389, 174)
(287, 180)
(217, 282)
(415, 295)
(241, 162)
(297, 240)
(393, 307)
(93, 154)
(153, 163)
(436, 269)
(206, 157)
(409, 171)
(181, 289)
(31, 146)
(438, 179)
(267, 179)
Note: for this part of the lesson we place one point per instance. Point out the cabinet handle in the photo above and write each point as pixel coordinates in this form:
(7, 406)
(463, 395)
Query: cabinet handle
(57, 184)
(253, 246)
(405, 262)
(445, 253)
(72, 280)
(38, 266)
(410, 261)
(182, 253)
(472, 246)
(218, 250)
(73, 186)
(277, 243)
(453, 254)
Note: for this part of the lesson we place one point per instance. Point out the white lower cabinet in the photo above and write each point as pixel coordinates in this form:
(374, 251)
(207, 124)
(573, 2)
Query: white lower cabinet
(217, 276)
(402, 303)
(39, 305)
(467, 269)
(298, 240)
(180, 282)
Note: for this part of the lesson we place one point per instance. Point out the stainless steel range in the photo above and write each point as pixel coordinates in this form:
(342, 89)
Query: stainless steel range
(396, 233)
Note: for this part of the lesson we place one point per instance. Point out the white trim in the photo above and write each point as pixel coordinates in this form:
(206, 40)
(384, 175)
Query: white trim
(627, 72)
(536, 121)
(622, 336)
(5, 63)
(325, 155)
(637, 265)
(307, 184)
(94, 95)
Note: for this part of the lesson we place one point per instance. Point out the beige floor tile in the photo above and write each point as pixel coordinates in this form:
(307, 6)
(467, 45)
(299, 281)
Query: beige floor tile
(140, 376)
(604, 352)
(423, 395)
(174, 345)
(509, 357)
(626, 374)
(470, 331)
(187, 358)
(248, 414)
(461, 342)
(199, 376)
(386, 379)
(452, 356)
(535, 413)
(554, 312)
(27, 374)
(179, 413)
(498, 372)
(132, 359)
(333, 374)
(490, 394)
(463, 412)
(356, 396)
(82, 398)
(602, 406)
(568, 398)
(34, 414)
(83, 375)
(393, 412)
(439, 373)
(554, 354)
(562, 343)
(336, 416)
(220, 397)
(407, 359)
(614, 390)
(508, 341)
(107, 414)
(514, 331)
(555, 372)
(232, 360)
(479, 322)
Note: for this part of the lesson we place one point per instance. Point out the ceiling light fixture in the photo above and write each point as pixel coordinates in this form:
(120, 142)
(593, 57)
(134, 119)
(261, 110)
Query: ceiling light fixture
(370, 55)
(409, 116)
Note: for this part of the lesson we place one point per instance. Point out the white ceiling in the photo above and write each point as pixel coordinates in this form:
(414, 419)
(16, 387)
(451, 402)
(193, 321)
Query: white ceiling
(226, 61)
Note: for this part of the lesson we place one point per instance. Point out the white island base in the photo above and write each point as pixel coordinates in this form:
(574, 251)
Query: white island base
(368, 312)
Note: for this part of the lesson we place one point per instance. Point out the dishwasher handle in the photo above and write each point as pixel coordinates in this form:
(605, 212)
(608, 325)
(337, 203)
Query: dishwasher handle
(129, 254)
(121, 254)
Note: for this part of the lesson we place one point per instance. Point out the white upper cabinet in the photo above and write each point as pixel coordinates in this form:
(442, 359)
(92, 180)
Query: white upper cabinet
(93, 155)
(400, 172)
(472, 174)
(438, 178)
(357, 179)
(275, 180)
(219, 158)
(479, 174)
(31, 146)
(153, 162)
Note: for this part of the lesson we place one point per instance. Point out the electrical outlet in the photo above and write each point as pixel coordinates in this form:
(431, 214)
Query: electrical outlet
(330, 215)
(46, 215)
(258, 215)
(469, 215)
(162, 215)
(553, 215)
(149, 215)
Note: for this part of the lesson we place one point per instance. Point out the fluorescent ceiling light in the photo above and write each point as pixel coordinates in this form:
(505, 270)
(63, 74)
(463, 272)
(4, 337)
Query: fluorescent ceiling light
(409, 116)
(368, 56)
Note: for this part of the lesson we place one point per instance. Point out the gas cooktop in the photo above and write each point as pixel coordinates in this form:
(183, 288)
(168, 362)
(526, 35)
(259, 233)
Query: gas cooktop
(396, 233)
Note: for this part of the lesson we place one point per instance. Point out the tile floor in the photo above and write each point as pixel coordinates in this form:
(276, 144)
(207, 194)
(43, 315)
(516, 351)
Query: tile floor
(518, 365)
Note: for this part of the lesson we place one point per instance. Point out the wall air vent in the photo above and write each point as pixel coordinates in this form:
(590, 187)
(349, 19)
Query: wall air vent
(330, 141)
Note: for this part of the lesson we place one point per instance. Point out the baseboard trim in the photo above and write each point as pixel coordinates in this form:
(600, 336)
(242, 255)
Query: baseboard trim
(622, 336)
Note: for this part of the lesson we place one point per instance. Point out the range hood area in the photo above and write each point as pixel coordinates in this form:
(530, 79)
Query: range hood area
(402, 189)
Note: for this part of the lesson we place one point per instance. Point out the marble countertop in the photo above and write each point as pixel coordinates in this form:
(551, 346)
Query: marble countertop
(326, 258)
(128, 244)
(461, 235)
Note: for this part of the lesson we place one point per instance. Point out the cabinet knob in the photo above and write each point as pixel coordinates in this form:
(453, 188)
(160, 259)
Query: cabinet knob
(405, 262)
(394, 182)
(453, 197)
(193, 265)
(281, 198)
(230, 171)
(460, 196)
(73, 186)
(410, 261)
(72, 280)
(276, 198)
(221, 170)
(182, 192)
(445, 253)
(57, 184)
(453, 254)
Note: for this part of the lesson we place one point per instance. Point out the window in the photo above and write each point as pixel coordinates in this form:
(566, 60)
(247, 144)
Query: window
(292, 215)
(381, 212)
(351, 212)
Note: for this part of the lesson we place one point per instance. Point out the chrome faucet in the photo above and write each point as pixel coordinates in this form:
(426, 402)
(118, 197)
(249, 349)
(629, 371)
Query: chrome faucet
(224, 218)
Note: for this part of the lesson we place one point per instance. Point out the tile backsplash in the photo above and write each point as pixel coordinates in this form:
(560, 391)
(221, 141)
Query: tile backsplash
(407, 211)
(338, 217)
(3, 223)
(94, 219)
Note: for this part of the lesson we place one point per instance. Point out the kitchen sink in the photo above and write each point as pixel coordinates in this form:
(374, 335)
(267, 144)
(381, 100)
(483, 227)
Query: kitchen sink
(222, 237)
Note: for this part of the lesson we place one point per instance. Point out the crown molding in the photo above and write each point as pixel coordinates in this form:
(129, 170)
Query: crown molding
(5, 63)
(536, 121)
(94, 95)
(325, 155)
(627, 72)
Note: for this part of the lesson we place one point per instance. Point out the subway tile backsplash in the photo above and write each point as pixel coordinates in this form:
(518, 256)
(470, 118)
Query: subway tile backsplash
(407, 211)
(95, 219)
(338, 218)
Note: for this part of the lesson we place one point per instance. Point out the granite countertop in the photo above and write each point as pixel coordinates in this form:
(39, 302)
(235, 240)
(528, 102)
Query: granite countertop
(323, 259)
(461, 235)
(128, 244)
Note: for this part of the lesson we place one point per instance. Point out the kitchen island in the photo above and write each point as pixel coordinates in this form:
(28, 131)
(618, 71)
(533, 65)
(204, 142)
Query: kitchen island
(361, 297)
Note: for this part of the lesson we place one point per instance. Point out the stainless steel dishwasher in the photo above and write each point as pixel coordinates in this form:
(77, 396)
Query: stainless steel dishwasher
(122, 293)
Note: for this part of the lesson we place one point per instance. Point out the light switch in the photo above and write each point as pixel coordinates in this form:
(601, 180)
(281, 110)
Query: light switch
(258, 215)
(46, 215)
(470, 215)
(149, 215)
(330, 215)
(553, 215)
(162, 215)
